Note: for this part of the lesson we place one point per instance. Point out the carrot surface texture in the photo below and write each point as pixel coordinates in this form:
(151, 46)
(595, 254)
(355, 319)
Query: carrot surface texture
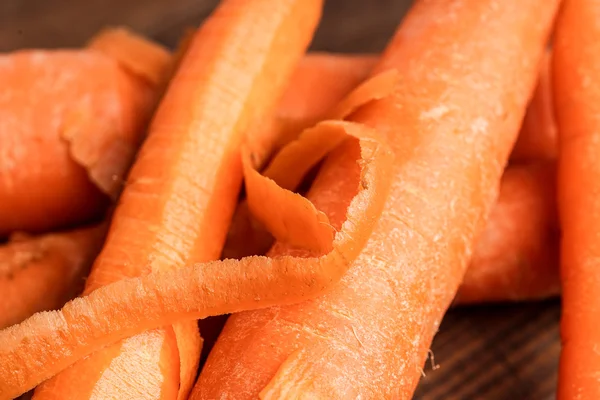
(39, 273)
(184, 185)
(70, 124)
(576, 80)
(467, 70)
(516, 257)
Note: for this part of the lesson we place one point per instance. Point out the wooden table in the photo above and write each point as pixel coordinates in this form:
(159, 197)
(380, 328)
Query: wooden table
(492, 352)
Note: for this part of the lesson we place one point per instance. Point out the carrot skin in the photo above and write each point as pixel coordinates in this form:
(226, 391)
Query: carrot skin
(538, 137)
(43, 272)
(516, 257)
(452, 120)
(575, 80)
(175, 209)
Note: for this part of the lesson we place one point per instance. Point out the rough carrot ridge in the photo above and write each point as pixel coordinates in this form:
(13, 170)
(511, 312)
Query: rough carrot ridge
(467, 71)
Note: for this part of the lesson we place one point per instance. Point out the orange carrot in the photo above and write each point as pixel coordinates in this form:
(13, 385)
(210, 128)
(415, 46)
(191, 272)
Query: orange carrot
(131, 306)
(575, 80)
(467, 69)
(538, 138)
(41, 273)
(516, 257)
(66, 117)
(183, 188)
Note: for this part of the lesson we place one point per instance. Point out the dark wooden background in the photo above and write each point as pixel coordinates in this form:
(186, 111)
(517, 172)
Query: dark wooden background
(491, 352)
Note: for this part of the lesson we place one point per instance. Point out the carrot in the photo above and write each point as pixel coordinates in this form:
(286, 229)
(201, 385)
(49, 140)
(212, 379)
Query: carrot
(538, 138)
(319, 82)
(575, 78)
(467, 69)
(130, 306)
(70, 121)
(39, 273)
(516, 257)
(183, 188)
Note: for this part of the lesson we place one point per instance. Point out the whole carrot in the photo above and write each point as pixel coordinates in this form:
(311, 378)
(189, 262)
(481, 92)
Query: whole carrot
(467, 70)
(43, 272)
(71, 122)
(575, 79)
(184, 185)
(516, 257)
(319, 82)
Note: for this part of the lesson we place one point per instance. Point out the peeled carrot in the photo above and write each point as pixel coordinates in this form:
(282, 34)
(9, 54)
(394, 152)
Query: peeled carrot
(538, 138)
(516, 257)
(575, 79)
(69, 121)
(467, 69)
(183, 188)
(41, 273)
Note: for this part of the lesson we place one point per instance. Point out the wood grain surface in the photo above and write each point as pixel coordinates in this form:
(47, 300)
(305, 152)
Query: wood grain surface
(492, 352)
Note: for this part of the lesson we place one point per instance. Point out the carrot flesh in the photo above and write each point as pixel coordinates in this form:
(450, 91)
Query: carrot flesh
(575, 78)
(174, 210)
(39, 273)
(467, 69)
(516, 257)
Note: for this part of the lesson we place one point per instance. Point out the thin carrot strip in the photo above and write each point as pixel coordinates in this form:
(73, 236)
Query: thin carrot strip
(183, 188)
(39, 273)
(143, 58)
(516, 257)
(538, 137)
(467, 70)
(575, 80)
(57, 339)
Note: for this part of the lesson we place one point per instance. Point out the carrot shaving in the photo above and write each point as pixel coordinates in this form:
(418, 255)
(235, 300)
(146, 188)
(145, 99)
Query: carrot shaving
(143, 58)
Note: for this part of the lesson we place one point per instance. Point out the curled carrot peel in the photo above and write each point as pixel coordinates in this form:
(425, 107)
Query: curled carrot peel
(516, 257)
(143, 58)
(39, 273)
(125, 308)
(576, 86)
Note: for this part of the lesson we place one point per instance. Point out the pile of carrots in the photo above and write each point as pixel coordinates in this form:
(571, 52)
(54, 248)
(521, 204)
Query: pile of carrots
(335, 206)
